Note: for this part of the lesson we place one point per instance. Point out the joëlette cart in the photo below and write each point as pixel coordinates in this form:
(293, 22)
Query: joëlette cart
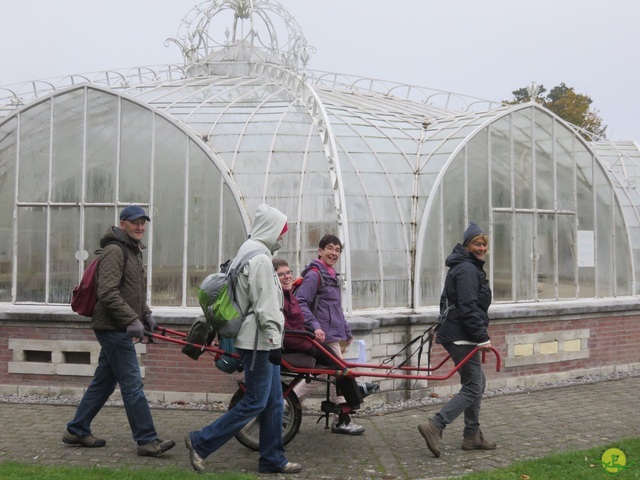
(300, 367)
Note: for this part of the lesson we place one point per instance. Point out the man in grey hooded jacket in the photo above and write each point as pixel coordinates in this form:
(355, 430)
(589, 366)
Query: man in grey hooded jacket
(258, 291)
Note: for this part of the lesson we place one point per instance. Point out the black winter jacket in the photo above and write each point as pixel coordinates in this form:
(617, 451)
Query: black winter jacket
(467, 288)
(120, 302)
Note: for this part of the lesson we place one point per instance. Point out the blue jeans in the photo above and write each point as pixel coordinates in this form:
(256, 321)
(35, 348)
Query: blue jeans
(117, 364)
(469, 398)
(262, 398)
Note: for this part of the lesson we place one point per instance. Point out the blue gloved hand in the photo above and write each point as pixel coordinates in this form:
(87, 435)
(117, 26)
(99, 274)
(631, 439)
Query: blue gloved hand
(135, 329)
(150, 323)
(275, 356)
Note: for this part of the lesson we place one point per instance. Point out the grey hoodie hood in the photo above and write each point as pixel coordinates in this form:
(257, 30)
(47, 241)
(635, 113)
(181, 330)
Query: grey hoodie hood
(267, 226)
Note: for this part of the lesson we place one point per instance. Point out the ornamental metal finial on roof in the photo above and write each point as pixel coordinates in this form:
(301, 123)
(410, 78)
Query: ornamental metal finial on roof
(242, 30)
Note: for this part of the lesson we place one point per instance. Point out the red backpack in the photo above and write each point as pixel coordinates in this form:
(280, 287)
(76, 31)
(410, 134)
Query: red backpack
(298, 281)
(84, 297)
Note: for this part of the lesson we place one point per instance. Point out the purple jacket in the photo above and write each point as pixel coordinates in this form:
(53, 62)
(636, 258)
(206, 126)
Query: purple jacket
(329, 316)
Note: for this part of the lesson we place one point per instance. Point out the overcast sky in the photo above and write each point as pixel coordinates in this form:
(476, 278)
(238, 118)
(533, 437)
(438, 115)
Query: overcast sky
(482, 48)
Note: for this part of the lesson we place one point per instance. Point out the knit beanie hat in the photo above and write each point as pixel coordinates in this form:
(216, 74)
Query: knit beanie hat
(472, 231)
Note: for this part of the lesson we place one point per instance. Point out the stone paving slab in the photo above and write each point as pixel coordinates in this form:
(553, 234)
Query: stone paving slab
(524, 425)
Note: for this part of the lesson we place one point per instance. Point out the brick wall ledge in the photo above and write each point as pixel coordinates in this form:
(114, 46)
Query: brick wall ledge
(361, 321)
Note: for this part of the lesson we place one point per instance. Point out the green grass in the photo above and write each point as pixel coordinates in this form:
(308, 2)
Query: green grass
(580, 465)
(19, 471)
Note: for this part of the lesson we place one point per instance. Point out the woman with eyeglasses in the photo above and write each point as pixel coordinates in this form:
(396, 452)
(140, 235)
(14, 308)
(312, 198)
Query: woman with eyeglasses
(354, 392)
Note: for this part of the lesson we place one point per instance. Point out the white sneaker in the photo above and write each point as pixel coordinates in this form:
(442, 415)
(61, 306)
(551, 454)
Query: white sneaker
(350, 428)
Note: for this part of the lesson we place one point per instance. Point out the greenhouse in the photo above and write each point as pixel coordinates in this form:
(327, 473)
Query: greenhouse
(396, 171)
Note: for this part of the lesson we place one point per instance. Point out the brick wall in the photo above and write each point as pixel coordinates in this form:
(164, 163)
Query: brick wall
(537, 343)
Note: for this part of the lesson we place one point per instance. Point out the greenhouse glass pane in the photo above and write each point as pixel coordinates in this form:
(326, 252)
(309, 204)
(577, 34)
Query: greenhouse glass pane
(33, 177)
(289, 206)
(358, 209)
(316, 160)
(365, 293)
(454, 198)
(396, 293)
(102, 147)
(408, 146)
(366, 162)
(295, 125)
(564, 151)
(436, 163)
(403, 184)
(63, 246)
(168, 214)
(251, 141)
(622, 255)
(385, 209)
(449, 145)
(317, 183)
(347, 166)
(31, 254)
(224, 143)
(477, 174)
(68, 128)
(96, 222)
(545, 238)
(8, 151)
(503, 275)
(430, 146)
(234, 233)
(354, 144)
(501, 163)
(432, 264)
(376, 184)
(585, 193)
(605, 276)
(361, 236)
(283, 184)
(365, 265)
(381, 145)
(522, 159)
(396, 163)
(545, 179)
(203, 252)
(567, 261)
(524, 254)
(252, 184)
(286, 161)
(135, 153)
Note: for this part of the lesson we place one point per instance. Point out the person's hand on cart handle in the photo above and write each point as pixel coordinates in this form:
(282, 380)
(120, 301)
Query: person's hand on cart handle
(485, 346)
(150, 323)
(135, 329)
(320, 336)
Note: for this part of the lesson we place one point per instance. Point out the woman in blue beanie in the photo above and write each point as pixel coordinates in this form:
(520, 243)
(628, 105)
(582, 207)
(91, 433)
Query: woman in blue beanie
(467, 291)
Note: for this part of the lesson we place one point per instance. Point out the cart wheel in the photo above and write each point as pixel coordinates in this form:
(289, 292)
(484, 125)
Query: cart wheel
(249, 436)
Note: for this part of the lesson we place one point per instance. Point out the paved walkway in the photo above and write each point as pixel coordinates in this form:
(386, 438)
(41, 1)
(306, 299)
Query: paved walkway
(525, 426)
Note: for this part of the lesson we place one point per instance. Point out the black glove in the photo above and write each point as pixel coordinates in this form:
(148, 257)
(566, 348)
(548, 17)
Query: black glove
(275, 356)
(135, 329)
(150, 323)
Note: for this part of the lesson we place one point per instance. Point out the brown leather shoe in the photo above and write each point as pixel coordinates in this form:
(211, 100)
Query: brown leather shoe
(432, 434)
(88, 441)
(476, 441)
